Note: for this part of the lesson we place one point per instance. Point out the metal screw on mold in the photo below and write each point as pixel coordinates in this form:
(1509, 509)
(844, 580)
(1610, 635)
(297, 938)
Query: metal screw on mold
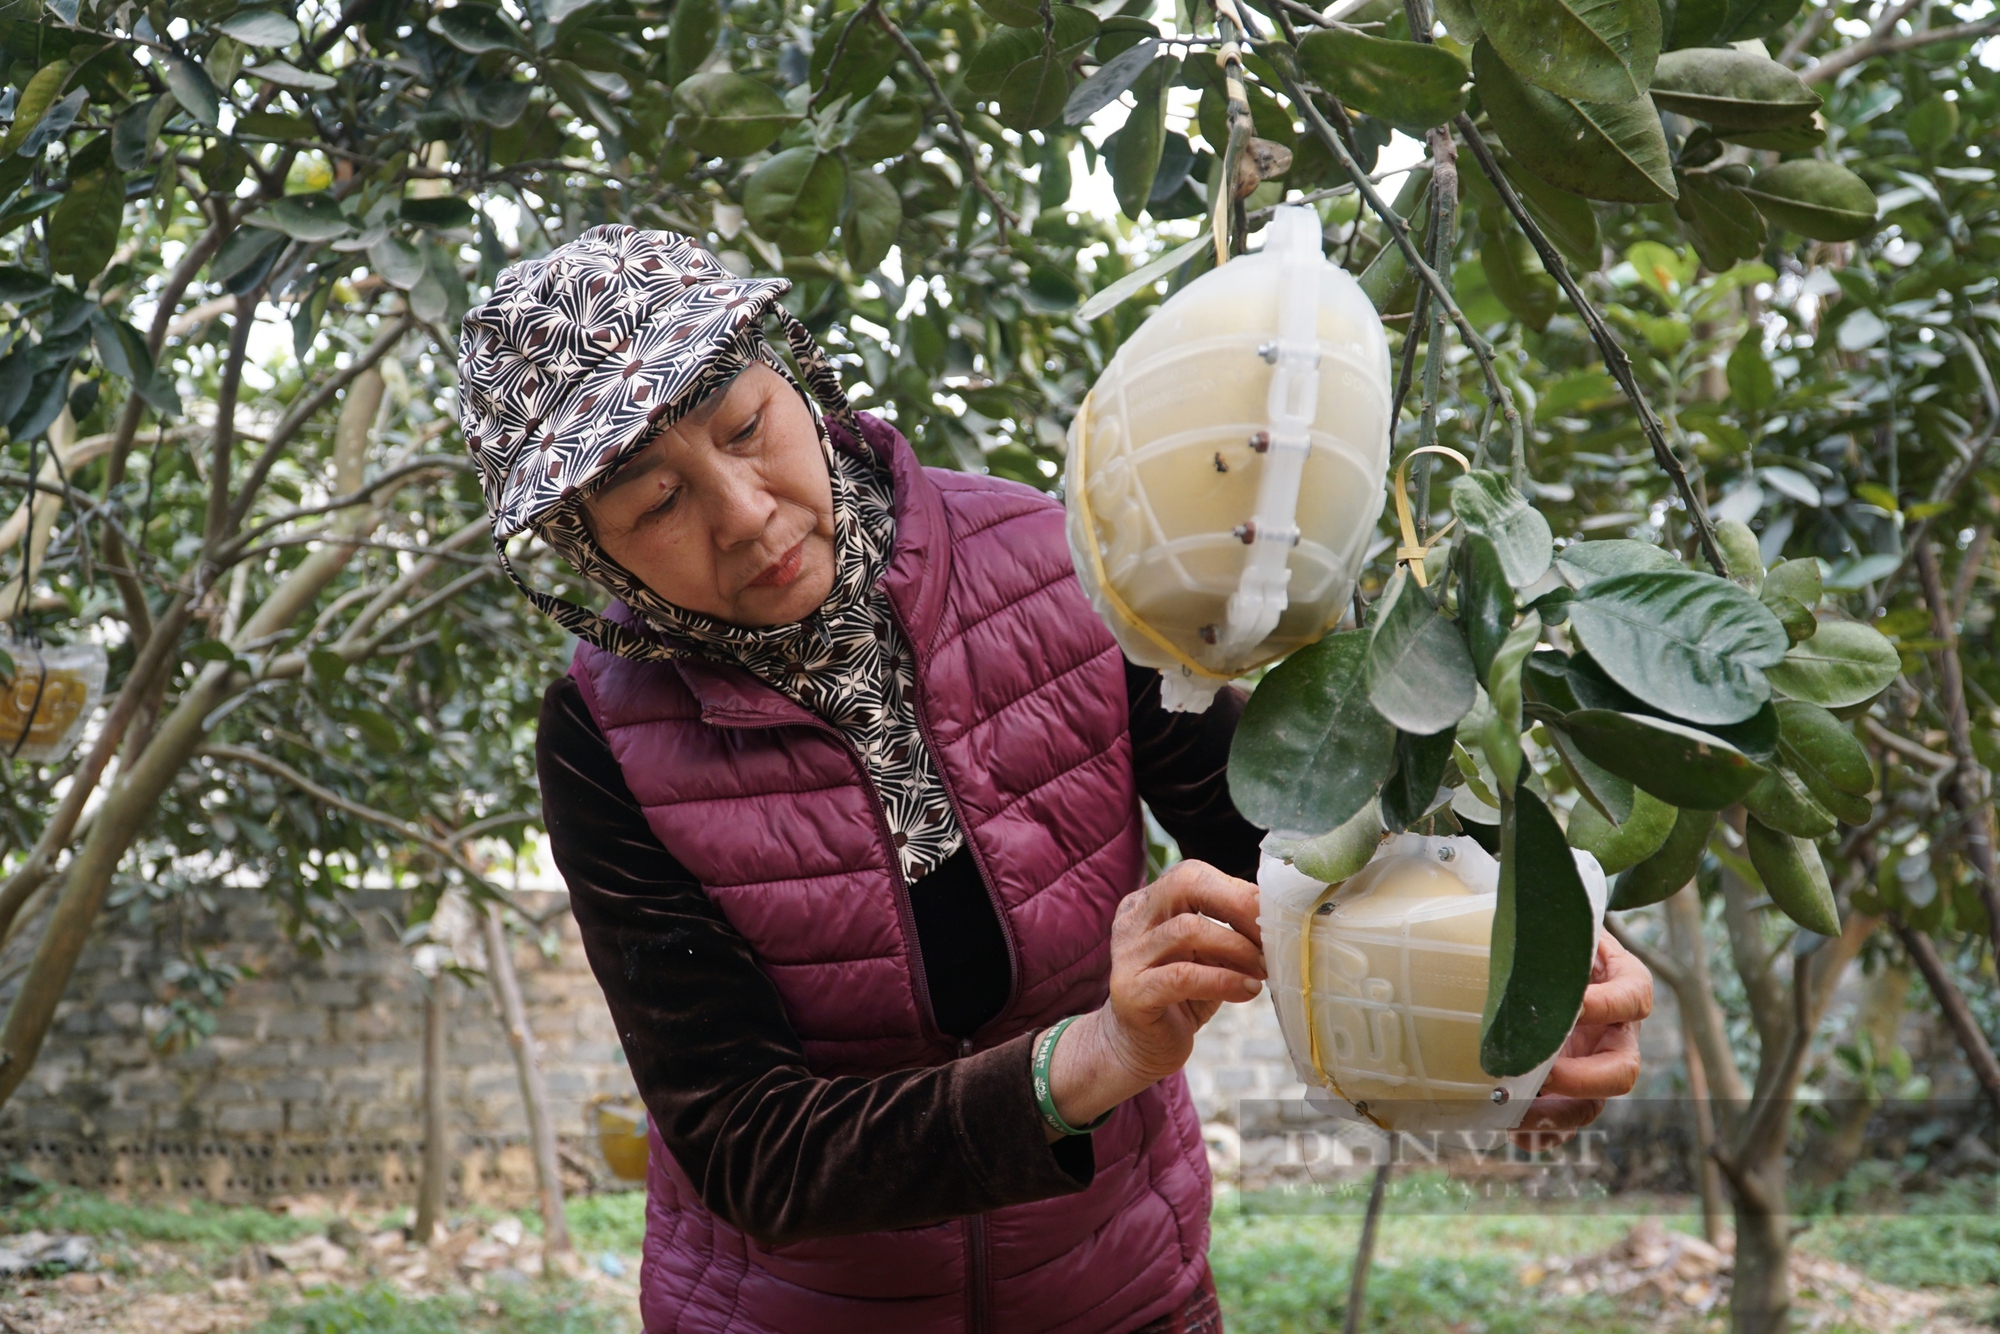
(1269, 351)
(1208, 634)
(1246, 533)
(1220, 465)
(1446, 853)
(1361, 1107)
(1325, 909)
(1500, 1097)
(1261, 442)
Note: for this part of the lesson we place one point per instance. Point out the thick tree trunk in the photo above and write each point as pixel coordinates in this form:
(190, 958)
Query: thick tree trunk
(534, 1090)
(1761, 1298)
(430, 1183)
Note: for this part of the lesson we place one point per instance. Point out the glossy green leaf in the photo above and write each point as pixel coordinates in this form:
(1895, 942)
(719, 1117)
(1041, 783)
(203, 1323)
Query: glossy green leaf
(476, 29)
(794, 199)
(396, 262)
(1310, 750)
(1815, 743)
(728, 115)
(1582, 563)
(1589, 50)
(1014, 13)
(1781, 801)
(1544, 943)
(1752, 386)
(1487, 503)
(1486, 604)
(1661, 875)
(867, 54)
(1680, 765)
(1794, 876)
(313, 217)
(1821, 200)
(874, 215)
(1412, 85)
(691, 34)
(1515, 273)
(1135, 155)
(1618, 846)
(1930, 125)
(1798, 579)
(1601, 150)
(1334, 857)
(1413, 785)
(1844, 664)
(1731, 89)
(259, 27)
(1740, 550)
(1719, 22)
(1110, 79)
(83, 230)
(1568, 220)
(37, 96)
(886, 129)
(439, 212)
(1720, 222)
(192, 88)
(1419, 674)
(1800, 138)
(1687, 643)
(1141, 278)
(1612, 797)
(1756, 736)
(1033, 94)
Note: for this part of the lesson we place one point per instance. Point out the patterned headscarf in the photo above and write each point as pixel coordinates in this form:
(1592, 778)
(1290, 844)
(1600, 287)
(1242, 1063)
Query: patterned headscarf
(549, 422)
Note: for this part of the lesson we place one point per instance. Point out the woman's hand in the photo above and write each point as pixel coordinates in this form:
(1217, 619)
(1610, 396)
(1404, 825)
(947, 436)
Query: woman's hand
(1179, 948)
(1601, 1058)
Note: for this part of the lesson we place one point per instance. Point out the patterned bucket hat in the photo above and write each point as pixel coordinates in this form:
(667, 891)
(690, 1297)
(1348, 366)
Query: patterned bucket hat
(581, 356)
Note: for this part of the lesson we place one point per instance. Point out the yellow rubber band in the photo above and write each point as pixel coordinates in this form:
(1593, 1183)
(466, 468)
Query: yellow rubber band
(1412, 552)
(1125, 613)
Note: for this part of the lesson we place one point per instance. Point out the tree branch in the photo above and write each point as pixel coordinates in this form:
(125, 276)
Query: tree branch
(1967, 778)
(1978, 1052)
(1006, 215)
(1608, 346)
(1883, 44)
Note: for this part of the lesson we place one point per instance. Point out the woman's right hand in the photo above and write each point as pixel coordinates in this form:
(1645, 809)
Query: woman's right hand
(1180, 947)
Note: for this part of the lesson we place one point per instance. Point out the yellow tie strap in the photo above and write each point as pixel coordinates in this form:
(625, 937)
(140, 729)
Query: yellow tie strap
(1412, 552)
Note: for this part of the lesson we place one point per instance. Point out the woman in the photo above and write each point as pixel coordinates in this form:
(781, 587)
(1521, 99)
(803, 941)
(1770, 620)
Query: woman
(846, 789)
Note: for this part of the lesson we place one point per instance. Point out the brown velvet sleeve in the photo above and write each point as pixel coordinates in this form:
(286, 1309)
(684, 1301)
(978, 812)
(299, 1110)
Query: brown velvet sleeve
(1182, 763)
(773, 1149)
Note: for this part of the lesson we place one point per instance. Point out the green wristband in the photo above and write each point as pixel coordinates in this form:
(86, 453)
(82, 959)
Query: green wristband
(1045, 1050)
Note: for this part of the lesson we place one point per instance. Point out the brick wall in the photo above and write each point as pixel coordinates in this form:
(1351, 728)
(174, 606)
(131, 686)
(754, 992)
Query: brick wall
(312, 1080)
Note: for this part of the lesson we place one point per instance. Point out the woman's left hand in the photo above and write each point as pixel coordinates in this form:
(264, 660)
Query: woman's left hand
(1601, 1058)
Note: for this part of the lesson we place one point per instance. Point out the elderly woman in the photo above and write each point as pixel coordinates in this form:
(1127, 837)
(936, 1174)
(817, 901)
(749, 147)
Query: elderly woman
(846, 789)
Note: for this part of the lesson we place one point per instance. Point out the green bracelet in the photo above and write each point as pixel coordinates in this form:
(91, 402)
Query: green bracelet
(1045, 1050)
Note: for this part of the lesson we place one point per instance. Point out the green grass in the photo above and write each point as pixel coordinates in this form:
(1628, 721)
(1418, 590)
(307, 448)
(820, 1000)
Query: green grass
(521, 1308)
(210, 1227)
(599, 1223)
(1946, 1240)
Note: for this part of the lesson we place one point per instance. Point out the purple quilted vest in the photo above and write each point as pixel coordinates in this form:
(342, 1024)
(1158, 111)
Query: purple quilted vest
(1021, 693)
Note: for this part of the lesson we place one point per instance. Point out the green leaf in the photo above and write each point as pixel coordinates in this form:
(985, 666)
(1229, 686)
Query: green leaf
(327, 666)
(1135, 157)
(887, 130)
(691, 34)
(1601, 150)
(1661, 875)
(1781, 801)
(1818, 745)
(1821, 200)
(37, 96)
(1567, 219)
(1515, 273)
(874, 215)
(83, 231)
(1033, 93)
(287, 75)
(727, 115)
(1931, 125)
(1680, 765)
(1413, 786)
(476, 29)
(27, 208)
(191, 87)
(440, 212)
(1334, 857)
(1014, 13)
(1412, 85)
(1752, 386)
(1419, 674)
(1732, 89)
(794, 199)
(314, 217)
(1719, 22)
(1111, 78)
(1797, 618)
(1844, 664)
(396, 262)
(259, 27)
(1143, 277)
(1611, 796)
(1801, 138)
(1487, 503)
(1687, 643)
(867, 54)
(1618, 846)
(1798, 579)
(1794, 877)
(1486, 605)
(1718, 220)
(1588, 50)
(1583, 563)
(1310, 750)
(1501, 737)
(1544, 943)
(1739, 548)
